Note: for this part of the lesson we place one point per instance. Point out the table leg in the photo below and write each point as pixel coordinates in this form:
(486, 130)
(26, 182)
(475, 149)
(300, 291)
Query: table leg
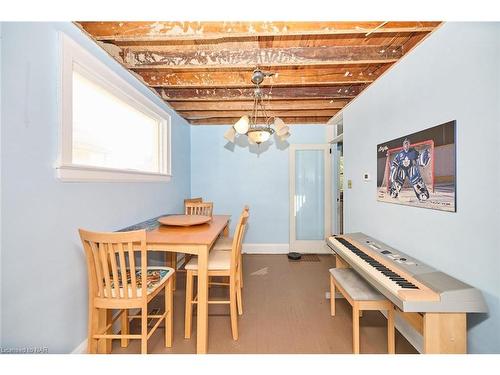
(202, 317)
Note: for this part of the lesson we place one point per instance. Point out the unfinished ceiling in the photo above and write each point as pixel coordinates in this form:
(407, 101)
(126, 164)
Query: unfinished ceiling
(203, 69)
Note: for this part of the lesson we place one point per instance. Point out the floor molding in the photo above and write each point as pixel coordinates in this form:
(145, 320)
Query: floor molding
(266, 248)
(81, 348)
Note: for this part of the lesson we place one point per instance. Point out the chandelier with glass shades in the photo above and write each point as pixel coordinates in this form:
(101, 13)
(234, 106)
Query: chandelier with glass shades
(257, 125)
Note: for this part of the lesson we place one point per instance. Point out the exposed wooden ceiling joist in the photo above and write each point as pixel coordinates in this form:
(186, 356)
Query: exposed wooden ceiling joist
(194, 115)
(283, 77)
(289, 120)
(170, 31)
(247, 105)
(293, 56)
(204, 69)
(329, 92)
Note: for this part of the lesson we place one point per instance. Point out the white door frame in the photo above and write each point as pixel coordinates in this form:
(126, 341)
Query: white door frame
(310, 246)
(336, 208)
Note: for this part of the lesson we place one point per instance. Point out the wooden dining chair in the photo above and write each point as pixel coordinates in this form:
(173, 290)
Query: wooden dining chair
(193, 200)
(220, 263)
(226, 244)
(120, 280)
(192, 206)
(203, 208)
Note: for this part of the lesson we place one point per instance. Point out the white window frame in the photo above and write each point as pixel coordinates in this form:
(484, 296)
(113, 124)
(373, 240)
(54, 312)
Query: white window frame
(75, 57)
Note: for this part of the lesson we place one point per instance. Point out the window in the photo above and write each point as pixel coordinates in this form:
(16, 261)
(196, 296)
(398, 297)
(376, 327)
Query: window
(110, 130)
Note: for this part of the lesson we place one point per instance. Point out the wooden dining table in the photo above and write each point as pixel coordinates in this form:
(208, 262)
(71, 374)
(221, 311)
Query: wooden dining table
(196, 240)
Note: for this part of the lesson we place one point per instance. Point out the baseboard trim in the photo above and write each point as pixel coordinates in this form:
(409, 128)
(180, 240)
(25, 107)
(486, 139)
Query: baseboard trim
(81, 348)
(265, 248)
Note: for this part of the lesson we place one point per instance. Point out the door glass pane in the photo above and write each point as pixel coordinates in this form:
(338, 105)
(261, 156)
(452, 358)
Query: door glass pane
(309, 195)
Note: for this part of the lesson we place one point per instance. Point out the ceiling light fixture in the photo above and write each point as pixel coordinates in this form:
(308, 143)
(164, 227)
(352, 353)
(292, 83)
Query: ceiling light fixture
(257, 125)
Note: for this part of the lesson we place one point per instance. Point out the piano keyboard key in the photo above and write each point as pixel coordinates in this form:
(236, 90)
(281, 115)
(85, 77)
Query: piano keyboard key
(392, 276)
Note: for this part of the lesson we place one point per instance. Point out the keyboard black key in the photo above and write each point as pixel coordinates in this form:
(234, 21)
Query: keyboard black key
(391, 275)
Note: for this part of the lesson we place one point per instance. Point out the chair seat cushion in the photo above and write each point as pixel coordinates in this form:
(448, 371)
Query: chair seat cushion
(354, 285)
(217, 260)
(156, 276)
(223, 243)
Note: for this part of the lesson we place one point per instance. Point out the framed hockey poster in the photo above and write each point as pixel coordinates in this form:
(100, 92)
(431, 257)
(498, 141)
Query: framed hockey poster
(419, 169)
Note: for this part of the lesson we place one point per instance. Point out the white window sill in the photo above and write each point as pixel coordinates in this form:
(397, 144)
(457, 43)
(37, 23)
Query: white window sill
(80, 173)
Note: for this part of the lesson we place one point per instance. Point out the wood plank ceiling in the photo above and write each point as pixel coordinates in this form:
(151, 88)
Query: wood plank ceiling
(203, 69)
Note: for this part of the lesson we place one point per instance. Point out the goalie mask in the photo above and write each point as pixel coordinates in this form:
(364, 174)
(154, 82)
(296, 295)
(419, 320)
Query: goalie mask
(406, 144)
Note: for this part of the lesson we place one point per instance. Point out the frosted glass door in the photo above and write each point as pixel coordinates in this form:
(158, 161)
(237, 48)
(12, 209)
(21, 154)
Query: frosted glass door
(310, 197)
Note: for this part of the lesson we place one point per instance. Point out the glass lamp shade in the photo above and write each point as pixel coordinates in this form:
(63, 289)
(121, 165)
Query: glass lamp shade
(259, 136)
(282, 131)
(241, 126)
(230, 135)
(284, 136)
(279, 124)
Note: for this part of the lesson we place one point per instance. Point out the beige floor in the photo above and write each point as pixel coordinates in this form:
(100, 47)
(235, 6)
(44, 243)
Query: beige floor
(285, 311)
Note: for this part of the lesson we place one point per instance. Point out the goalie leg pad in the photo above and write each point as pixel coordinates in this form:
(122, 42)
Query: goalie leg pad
(398, 176)
(418, 184)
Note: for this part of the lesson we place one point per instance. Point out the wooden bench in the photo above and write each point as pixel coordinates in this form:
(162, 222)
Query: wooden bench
(361, 296)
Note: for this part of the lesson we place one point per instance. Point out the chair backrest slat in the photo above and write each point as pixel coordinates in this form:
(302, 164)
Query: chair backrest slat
(204, 208)
(114, 270)
(105, 268)
(131, 259)
(92, 247)
(111, 274)
(123, 270)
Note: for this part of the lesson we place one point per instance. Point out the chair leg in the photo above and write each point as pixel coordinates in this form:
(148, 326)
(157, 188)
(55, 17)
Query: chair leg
(173, 264)
(239, 300)
(355, 329)
(125, 328)
(104, 346)
(93, 327)
(232, 306)
(144, 329)
(241, 271)
(169, 309)
(189, 305)
(391, 342)
(332, 296)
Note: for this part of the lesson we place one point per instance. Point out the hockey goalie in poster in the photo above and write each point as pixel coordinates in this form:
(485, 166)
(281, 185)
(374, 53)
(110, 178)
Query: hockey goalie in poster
(419, 169)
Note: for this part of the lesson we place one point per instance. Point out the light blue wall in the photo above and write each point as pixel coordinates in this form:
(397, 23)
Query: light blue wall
(1, 184)
(44, 281)
(233, 178)
(453, 75)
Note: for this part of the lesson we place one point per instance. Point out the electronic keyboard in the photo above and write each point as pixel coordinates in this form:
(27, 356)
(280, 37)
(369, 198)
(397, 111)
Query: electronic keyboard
(409, 283)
